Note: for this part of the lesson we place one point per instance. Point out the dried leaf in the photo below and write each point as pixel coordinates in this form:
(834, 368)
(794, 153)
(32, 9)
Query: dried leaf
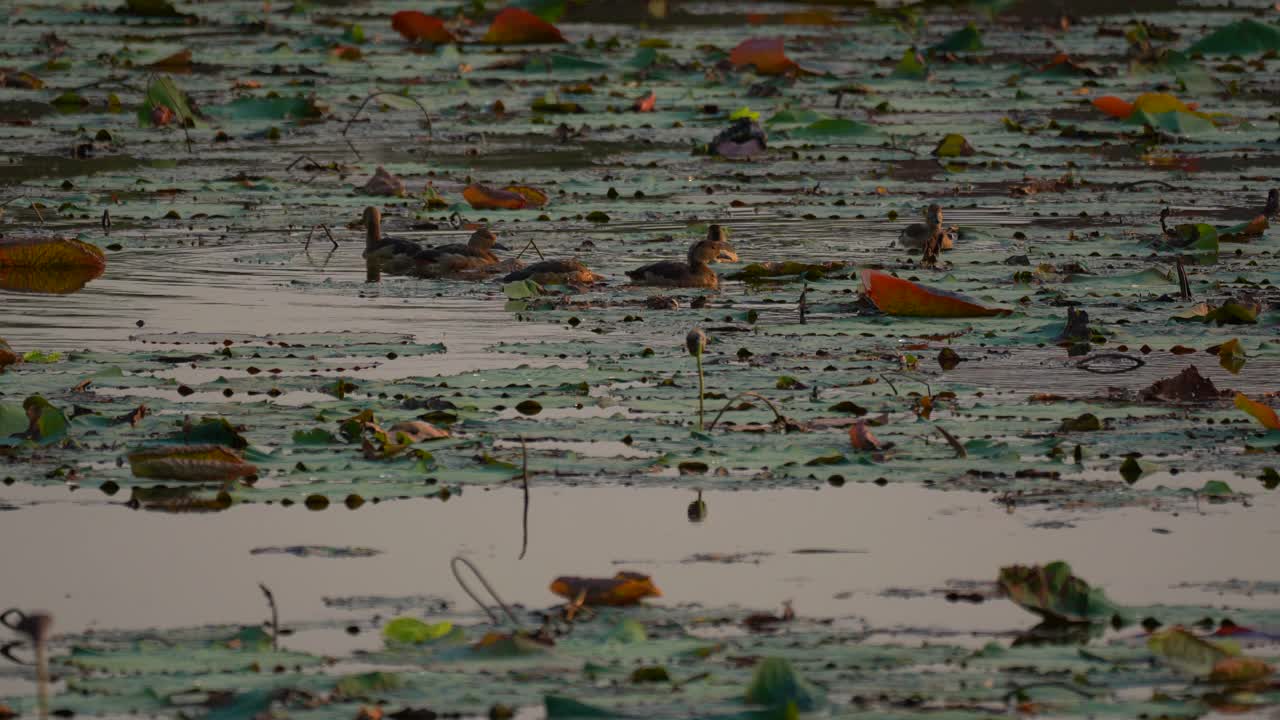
(861, 437)
(625, 588)
(384, 183)
(415, 431)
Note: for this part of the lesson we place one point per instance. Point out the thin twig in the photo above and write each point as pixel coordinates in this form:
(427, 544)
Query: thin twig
(299, 159)
(453, 564)
(1149, 181)
(777, 415)
(275, 617)
(801, 304)
(1137, 363)
(524, 525)
(534, 245)
(952, 441)
(891, 385)
(324, 227)
(425, 114)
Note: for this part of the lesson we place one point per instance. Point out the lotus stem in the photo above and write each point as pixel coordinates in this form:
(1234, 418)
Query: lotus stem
(42, 680)
(696, 343)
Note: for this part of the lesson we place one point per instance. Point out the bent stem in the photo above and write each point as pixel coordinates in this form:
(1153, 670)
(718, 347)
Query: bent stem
(777, 415)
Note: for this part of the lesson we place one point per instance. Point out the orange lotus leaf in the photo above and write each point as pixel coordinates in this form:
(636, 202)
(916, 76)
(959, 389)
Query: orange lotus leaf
(1146, 102)
(1260, 412)
(514, 26)
(50, 281)
(482, 197)
(532, 196)
(29, 252)
(625, 588)
(1114, 106)
(415, 26)
(895, 296)
(645, 103)
(766, 54)
(861, 437)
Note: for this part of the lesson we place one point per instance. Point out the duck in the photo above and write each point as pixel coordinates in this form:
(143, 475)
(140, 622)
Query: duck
(476, 256)
(916, 235)
(405, 257)
(696, 272)
(555, 272)
(717, 239)
(392, 255)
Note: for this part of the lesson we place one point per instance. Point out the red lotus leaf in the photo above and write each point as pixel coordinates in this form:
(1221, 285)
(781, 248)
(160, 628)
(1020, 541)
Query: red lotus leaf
(514, 26)
(416, 26)
(895, 296)
(766, 54)
(1114, 106)
(645, 103)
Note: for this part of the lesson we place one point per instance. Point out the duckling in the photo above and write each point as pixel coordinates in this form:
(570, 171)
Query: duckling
(671, 273)
(391, 255)
(916, 235)
(451, 260)
(556, 272)
(717, 239)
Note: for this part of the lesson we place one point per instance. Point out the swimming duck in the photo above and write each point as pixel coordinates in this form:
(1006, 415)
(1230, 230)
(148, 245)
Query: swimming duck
(405, 257)
(717, 239)
(916, 235)
(556, 272)
(672, 273)
(392, 255)
(451, 260)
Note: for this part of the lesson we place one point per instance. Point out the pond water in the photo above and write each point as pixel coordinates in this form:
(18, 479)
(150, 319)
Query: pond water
(226, 316)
